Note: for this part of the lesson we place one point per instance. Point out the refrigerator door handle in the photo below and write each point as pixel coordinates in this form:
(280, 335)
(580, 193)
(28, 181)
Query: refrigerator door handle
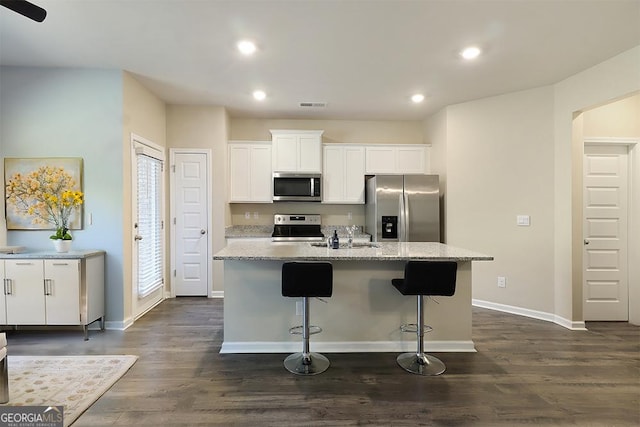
(405, 238)
(400, 218)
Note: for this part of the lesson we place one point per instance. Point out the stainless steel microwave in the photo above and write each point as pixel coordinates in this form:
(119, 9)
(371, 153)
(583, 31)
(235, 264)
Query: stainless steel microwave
(296, 187)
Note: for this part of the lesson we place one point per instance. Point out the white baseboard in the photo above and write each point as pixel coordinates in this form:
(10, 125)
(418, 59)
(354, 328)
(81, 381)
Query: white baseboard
(217, 294)
(569, 324)
(534, 314)
(347, 347)
(118, 325)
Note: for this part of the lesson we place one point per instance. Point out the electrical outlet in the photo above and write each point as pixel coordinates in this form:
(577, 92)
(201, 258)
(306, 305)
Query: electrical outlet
(349, 216)
(502, 282)
(247, 215)
(298, 308)
(256, 215)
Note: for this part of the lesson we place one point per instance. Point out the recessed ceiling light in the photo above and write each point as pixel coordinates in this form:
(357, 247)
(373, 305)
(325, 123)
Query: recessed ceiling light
(246, 47)
(471, 52)
(259, 95)
(417, 98)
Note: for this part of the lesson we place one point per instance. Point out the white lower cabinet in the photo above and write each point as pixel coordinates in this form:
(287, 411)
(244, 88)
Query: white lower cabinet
(24, 292)
(52, 291)
(62, 291)
(3, 305)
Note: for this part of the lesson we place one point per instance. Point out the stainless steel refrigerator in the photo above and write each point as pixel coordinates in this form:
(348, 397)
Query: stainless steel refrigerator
(403, 208)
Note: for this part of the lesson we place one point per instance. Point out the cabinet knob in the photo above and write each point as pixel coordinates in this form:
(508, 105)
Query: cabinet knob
(138, 237)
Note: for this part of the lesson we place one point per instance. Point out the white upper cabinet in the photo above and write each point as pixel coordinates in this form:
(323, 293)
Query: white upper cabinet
(297, 151)
(343, 174)
(250, 177)
(397, 159)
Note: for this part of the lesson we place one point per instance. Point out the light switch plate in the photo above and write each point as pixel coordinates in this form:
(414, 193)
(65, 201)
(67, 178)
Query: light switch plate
(523, 220)
(502, 282)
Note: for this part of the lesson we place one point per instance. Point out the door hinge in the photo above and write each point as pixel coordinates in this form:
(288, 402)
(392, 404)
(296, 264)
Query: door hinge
(173, 168)
(174, 273)
(162, 225)
(174, 220)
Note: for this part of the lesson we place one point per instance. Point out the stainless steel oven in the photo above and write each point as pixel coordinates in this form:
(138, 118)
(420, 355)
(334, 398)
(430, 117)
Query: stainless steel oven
(293, 187)
(296, 228)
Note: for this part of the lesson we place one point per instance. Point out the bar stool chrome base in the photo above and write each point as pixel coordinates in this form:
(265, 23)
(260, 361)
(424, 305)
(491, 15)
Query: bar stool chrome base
(313, 364)
(424, 364)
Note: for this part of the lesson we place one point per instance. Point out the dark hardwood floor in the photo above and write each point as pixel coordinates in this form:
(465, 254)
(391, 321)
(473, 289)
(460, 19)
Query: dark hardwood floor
(526, 372)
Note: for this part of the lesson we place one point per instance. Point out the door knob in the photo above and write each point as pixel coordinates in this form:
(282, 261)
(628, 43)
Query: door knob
(203, 231)
(586, 242)
(138, 237)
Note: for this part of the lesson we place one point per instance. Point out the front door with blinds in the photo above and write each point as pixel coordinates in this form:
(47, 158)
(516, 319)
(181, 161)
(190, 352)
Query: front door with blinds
(148, 215)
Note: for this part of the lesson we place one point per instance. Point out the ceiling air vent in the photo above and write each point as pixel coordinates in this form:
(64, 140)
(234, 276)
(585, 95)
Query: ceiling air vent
(313, 104)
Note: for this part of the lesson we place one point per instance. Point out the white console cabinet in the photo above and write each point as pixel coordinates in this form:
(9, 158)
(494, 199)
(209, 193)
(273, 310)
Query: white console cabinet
(52, 289)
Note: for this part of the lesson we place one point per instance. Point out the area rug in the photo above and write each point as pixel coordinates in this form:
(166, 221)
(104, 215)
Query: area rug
(74, 382)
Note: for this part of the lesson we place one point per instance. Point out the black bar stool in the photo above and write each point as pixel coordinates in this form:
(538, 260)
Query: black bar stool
(306, 279)
(424, 278)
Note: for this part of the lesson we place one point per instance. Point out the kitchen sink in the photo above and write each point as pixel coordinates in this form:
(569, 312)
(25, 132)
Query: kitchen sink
(356, 245)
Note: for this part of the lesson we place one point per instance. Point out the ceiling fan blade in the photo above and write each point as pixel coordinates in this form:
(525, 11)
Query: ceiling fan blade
(25, 8)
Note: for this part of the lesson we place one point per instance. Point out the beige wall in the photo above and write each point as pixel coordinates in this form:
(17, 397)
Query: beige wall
(499, 157)
(603, 83)
(435, 131)
(206, 127)
(344, 131)
(613, 121)
(335, 131)
(620, 119)
(144, 115)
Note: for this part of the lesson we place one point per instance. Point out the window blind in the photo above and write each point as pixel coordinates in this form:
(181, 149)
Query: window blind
(149, 225)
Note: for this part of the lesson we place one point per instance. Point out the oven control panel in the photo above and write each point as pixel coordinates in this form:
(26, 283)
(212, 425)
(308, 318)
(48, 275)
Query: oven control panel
(296, 219)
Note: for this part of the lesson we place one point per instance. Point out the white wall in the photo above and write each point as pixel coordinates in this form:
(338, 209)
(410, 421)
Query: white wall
(49, 112)
(499, 164)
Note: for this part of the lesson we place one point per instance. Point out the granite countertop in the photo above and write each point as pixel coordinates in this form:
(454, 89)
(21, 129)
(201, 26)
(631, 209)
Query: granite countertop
(405, 251)
(79, 254)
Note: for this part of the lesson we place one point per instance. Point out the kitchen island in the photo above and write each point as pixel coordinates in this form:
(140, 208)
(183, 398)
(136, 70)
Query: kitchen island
(365, 312)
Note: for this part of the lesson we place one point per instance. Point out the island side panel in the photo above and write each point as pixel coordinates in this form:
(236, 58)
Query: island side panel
(364, 313)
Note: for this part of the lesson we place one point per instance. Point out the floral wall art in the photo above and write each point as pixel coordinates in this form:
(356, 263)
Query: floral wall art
(43, 193)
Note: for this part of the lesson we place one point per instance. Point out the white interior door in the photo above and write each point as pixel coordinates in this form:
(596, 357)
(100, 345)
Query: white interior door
(605, 276)
(191, 217)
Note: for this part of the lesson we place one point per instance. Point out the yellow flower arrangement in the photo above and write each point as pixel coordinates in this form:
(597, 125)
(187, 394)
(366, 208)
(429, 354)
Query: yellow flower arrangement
(47, 195)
